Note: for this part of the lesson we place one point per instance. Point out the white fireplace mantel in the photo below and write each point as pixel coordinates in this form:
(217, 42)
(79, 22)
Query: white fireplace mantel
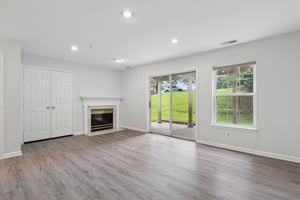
(97, 99)
(89, 102)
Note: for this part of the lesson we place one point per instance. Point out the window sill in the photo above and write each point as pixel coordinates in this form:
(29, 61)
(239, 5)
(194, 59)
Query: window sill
(246, 128)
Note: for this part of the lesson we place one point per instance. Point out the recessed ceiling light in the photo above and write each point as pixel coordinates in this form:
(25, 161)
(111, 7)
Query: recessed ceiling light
(74, 48)
(119, 60)
(127, 14)
(174, 41)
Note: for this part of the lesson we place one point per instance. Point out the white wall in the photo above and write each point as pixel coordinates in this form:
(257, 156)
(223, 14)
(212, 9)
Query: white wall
(278, 98)
(89, 81)
(12, 97)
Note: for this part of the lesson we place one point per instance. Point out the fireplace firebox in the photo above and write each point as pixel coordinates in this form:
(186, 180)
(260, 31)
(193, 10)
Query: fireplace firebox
(101, 119)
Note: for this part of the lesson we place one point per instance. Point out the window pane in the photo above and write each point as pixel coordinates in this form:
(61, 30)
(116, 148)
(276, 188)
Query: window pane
(224, 81)
(224, 110)
(160, 90)
(237, 79)
(180, 97)
(235, 110)
(246, 79)
(245, 111)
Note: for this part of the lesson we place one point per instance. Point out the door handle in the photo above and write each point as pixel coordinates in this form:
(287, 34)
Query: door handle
(48, 107)
(53, 107)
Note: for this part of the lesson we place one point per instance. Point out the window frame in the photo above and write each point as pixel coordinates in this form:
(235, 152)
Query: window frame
(215, 95)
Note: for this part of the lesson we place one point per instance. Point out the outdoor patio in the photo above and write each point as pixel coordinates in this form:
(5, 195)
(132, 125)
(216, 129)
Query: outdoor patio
(178, 130)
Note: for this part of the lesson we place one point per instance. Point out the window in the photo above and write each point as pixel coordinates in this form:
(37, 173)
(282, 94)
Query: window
(234, 96)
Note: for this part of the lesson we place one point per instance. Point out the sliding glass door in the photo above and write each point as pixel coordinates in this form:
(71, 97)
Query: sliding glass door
(160, 105)
(183, 105)
(173, 105)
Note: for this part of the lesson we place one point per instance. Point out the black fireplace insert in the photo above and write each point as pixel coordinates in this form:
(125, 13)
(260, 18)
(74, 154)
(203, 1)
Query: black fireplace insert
(101, 119)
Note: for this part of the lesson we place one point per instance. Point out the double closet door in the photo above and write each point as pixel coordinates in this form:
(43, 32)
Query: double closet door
(47, 104)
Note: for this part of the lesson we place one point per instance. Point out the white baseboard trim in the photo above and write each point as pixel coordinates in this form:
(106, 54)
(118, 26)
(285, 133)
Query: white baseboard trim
(135, 129)
(252, 151)
(12, 154)
(78, 133)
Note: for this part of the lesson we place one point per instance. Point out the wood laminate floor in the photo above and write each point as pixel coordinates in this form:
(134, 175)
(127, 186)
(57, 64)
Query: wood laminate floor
(133, 165)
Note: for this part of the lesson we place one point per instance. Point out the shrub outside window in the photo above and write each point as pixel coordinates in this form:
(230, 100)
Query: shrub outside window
(234, 95)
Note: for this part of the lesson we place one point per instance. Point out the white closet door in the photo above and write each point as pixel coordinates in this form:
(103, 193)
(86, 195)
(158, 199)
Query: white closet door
(36, 104)
(61, 104)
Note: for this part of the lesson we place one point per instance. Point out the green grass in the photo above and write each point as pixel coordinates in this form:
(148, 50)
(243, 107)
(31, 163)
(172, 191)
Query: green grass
(179, 105)
(223, 118)
(226, 118)
(180, 109)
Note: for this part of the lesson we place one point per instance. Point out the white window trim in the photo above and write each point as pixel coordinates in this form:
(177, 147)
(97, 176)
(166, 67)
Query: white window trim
(214, 107)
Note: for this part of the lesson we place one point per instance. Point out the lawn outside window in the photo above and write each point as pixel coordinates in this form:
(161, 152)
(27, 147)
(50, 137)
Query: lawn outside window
(234, 96)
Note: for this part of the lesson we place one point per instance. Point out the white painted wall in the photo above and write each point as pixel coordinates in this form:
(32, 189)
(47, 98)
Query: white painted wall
(89, 81)
(278, 97)
(12, 97)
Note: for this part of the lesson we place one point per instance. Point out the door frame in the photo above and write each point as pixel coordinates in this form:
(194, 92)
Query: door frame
(50, 69)
(148, 100)
(1, 104)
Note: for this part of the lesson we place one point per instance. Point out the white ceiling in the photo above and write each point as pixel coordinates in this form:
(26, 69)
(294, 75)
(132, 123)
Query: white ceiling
(50, 27)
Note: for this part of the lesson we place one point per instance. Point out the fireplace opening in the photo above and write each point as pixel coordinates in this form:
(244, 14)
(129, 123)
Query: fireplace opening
(101, 119)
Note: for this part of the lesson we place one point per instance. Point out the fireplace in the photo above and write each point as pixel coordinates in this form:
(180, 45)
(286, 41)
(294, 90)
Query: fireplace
(101, 115)
(102, 119)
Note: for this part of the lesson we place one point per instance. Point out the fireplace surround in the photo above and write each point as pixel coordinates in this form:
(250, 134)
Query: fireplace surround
(99, 106)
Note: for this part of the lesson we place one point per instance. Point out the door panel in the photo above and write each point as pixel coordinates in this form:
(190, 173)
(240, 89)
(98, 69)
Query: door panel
(61, 104)
(36, 104)
(184, 105)
(160, 105)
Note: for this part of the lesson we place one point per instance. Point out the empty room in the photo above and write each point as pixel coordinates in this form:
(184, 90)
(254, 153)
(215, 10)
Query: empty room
(141, 100)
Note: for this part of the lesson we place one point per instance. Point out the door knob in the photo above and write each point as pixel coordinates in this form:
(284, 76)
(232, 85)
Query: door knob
(53, 107)
(48, 107)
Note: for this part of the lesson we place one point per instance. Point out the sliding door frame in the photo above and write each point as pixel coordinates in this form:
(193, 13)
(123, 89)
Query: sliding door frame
(148, 98)
(149, 104)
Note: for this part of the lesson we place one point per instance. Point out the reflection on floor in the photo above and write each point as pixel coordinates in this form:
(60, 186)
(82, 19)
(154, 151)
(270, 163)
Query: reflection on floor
(179, 130)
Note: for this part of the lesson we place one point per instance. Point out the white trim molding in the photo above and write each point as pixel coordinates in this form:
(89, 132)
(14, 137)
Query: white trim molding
(12, 154)
(252, 151)
(135, 129)
(239, 127)
(78, 133)
(101, 98)
(46, 68)
(251, 94)
(1, 103)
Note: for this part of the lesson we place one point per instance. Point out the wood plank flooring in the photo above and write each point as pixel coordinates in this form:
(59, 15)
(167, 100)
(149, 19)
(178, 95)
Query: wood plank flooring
(133, 165)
